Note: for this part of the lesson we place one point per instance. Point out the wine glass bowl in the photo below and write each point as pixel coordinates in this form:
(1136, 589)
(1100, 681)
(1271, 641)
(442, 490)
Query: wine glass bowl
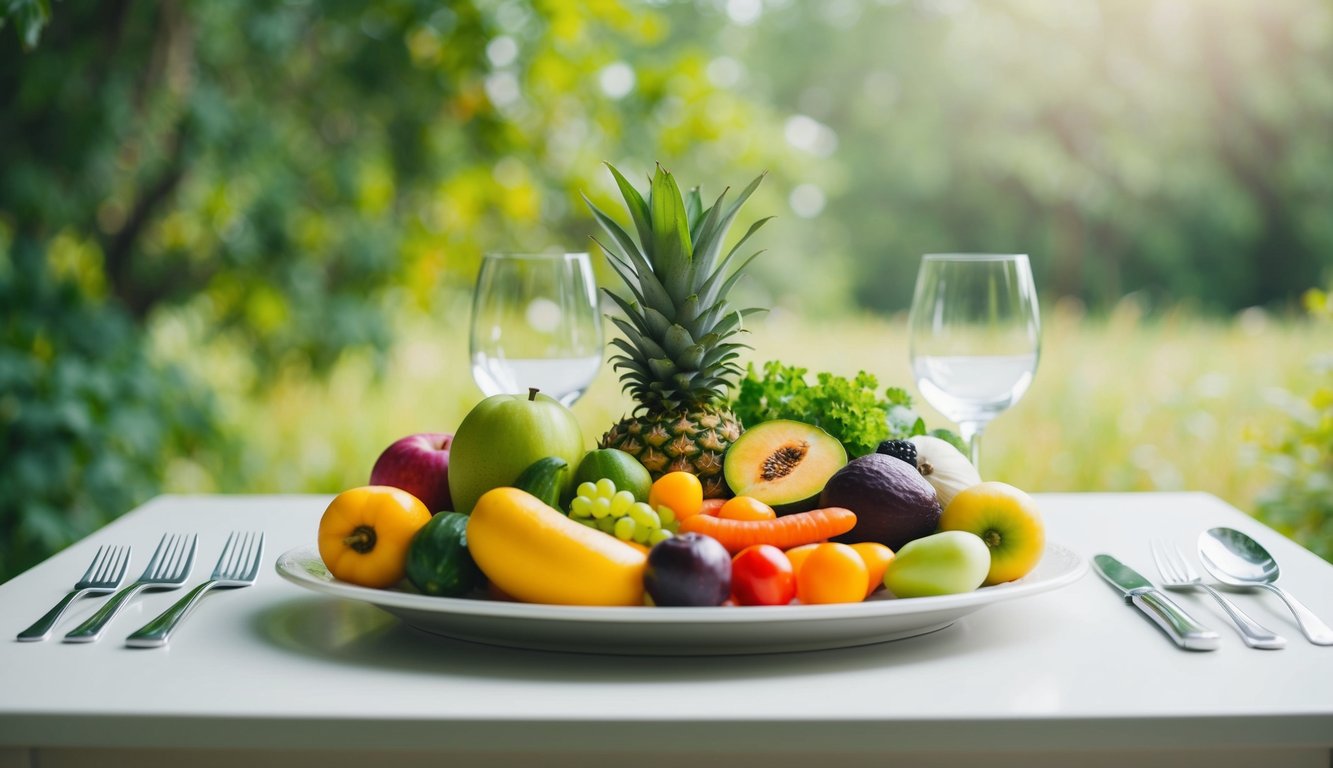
(975, 336)
(535, 323)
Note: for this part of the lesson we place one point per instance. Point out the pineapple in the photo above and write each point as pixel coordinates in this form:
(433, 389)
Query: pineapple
(677, 358)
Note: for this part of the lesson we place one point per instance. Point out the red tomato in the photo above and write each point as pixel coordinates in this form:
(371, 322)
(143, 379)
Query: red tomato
(762, 575)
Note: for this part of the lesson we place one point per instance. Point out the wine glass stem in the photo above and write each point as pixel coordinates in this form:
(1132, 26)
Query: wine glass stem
(971, 431)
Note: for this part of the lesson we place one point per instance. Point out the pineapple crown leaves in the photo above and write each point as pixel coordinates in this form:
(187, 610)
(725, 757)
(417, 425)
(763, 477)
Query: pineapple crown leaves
(677, 317)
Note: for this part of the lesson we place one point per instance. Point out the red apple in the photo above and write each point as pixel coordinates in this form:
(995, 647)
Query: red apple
(418, 464)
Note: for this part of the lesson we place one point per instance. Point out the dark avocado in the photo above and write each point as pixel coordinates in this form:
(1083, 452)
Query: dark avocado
(893, 503)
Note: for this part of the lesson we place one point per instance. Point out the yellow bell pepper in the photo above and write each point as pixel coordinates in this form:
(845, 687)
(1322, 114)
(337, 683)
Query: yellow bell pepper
(365, 532)
(533, 553)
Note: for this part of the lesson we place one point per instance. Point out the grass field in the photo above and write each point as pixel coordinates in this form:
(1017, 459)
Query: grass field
(1120, 403)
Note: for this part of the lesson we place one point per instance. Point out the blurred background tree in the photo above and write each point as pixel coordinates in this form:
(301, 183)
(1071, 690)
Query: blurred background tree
(285, 174)
(1300, 500)
(275, 184)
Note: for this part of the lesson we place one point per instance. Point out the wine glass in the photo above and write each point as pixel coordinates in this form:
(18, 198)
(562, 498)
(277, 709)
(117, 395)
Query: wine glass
(535, 323)
(975, 336)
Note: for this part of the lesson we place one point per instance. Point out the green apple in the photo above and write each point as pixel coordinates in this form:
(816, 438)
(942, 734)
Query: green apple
(948, 563)
(504, 434)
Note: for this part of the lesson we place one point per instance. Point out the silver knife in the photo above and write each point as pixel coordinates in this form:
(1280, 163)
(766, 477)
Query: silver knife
(1180, 626)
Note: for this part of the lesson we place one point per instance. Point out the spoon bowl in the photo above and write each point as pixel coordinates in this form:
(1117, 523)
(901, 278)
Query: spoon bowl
(1237, 560)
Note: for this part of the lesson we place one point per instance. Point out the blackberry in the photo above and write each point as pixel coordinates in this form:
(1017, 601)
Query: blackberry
(903, 450)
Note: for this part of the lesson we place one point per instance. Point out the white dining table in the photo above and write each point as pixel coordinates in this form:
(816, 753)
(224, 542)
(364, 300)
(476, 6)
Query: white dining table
(275, 674)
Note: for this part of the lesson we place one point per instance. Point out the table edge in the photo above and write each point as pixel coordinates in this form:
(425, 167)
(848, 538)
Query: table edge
(1285, 730)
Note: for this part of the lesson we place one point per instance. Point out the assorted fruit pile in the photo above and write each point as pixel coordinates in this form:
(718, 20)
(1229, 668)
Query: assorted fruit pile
(680, 505)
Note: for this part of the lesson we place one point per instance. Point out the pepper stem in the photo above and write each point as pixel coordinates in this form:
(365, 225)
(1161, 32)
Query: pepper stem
(362, 539)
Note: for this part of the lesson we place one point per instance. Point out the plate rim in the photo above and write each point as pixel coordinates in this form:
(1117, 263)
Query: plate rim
(288, 568)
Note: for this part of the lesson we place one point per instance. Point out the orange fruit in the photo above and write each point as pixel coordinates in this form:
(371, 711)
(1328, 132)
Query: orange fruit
(877, 558)
(832, 573)
(797, 555)
(746, 508)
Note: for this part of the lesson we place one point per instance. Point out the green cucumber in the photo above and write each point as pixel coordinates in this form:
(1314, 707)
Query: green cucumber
(544, 478)
(438, 563)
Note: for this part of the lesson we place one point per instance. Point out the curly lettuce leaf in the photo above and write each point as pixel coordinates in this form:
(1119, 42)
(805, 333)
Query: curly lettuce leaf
(853, 411)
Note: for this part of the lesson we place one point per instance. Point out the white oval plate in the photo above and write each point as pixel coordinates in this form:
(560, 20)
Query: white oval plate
(681, 631)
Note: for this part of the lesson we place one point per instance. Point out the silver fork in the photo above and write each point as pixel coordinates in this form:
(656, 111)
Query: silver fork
(1177, 573)
(168, 569)
(238, 566)
(105, 573)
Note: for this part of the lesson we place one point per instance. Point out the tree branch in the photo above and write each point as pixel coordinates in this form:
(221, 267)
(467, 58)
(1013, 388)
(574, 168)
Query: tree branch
(118, 252)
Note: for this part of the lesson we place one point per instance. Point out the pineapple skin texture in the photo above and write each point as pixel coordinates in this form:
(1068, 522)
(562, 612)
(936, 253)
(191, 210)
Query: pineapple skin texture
(691, 441)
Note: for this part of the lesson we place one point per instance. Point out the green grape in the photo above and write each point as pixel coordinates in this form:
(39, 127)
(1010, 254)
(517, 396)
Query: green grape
(667, 516)
(599, 505)
(621, 502)
(644, 516)
(581, 506)
(641, 533)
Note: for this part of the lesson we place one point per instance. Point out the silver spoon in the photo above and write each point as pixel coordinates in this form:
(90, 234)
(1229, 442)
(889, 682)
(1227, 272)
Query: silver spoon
(1239, 561)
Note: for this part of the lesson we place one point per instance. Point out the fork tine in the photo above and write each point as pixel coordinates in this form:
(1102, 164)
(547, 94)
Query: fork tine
(1182, 565)
(255, 559)
(182, 555)
(168, 564)
(1175, 574)
(97, 562)
(1159, 558)
(105, 565)
(157, 553)
(1173, 562)
(178, 553)
(227, 557)
(241, 558)
(189, 558)
(122, 563)
(162, 563)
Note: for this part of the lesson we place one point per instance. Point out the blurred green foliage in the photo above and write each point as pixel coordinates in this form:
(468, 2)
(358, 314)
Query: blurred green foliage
(285, 176)
(288, 177)
(1300, 502)
(29, 16)
(87, 421)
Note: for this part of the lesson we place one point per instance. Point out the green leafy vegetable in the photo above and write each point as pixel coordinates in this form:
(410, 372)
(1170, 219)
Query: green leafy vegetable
(849, 409)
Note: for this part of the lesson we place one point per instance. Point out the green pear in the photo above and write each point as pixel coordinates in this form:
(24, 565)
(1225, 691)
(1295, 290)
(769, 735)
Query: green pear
(948, 563)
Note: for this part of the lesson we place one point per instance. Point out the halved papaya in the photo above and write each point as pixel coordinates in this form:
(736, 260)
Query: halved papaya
(783, 463)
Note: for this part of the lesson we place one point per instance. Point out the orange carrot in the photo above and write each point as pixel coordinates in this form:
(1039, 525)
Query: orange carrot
(784, 532)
